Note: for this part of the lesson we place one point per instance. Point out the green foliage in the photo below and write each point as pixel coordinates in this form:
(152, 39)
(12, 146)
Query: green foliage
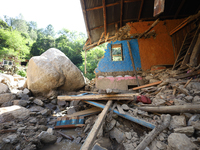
(13, 44)
(93, 57)
(21, 73)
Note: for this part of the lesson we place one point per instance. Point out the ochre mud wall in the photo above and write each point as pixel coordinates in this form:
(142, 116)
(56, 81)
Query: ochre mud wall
(159, 50)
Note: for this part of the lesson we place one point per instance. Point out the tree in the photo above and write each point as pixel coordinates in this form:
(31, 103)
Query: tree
(93, 57)
(49, 31)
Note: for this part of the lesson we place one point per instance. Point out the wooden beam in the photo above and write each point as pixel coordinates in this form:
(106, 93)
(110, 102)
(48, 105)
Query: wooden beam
(179, 8)
(132, 60)
(141, 6)
(107, 37)
(185, 75)
(112, 4)
(187, 108)
(93, 133)
(126, 116)
(100, 38)
(85, 18)
(98, 97)
(147, 85)
(104, 16)
(99, 7)
(103, 25)
(85, 62)
(121, 14)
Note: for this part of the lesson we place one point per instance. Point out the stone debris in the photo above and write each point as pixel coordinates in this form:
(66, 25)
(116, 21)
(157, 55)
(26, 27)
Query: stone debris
(30, 123)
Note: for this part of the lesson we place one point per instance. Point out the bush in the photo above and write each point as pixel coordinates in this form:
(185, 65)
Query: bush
(21, 73)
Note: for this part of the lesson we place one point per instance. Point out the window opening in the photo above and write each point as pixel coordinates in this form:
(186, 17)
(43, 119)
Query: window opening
(116, 52)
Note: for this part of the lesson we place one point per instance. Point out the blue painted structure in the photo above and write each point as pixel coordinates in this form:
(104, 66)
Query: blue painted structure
(107, 65)
(126, 116)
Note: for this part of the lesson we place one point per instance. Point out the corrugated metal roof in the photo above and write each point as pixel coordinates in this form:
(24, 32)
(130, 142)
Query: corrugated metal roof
(132, 10)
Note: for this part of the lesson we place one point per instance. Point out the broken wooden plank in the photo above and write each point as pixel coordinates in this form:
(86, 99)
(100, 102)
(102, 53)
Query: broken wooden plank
(173, 109)
(147, 85)
(187, 82)
(185, 75)
(157, 130)
(8, 131)
(153, 25)
(66, 136)
(87, 112)
(121, 111)
(126, 116)
(127, 96)
(93, 133)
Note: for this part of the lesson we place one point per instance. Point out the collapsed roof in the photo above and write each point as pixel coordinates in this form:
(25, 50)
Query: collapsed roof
(105, 17)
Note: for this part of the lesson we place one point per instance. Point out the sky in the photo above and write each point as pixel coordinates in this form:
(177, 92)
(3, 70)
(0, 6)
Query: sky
(60, 13)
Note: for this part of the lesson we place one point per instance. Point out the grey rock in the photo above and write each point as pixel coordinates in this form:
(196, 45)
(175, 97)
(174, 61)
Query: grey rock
(134, 139)
(193, 85)
(6, 104)
(158, 102)
(193, 118)
(117, 134)
(6, 97)
(32, 128)
(4, 88)
(196, 125)
(26, 91)
(102, 144)
(47, 138)
(21, 129)
(61, 103)
(33, 120)
(12, 112)
(128, 135)
(20, 103)
(24, 97)
(13, 138)
(43, 121)
(189, 131)
(178, 141)
(36, 109)
(189, 98)
(45, 112)
(128, 146)
(51, 106)
(161, 145)
(78, 139)
(38, 102)
(196, 99)
(50, 131)
(110, 125)
(6, 140)
(125, 107)
(54, 101)
(148, 77)
(42, 127)
(71, 110)
(177, 121)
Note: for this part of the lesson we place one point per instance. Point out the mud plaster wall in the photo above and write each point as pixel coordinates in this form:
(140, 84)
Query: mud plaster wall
(159, 50)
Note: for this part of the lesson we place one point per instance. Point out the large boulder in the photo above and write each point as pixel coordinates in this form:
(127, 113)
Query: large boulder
(51, 71)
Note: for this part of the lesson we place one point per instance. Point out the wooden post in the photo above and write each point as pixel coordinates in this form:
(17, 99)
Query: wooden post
(130, 53)
(121, 14)
(104, 16)
(141, 6)
(93, 133)
(85, 62)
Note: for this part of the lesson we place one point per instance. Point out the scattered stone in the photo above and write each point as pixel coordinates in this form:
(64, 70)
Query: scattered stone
(61, 103)
(6, 97)
(50, 131)
(26, 91)
(196, 99)
(45, 112)
(51, 106)
(193, 85)
(125, 107)
(128, 146)
(161, 145)
(128, 135)
(13, 138)
(4, 88)
(20, 103)
(196, 125)
(178, 141)
(36, 109)
(78, 139)
(6, 104)
(38, 102)
(34, 121)
(24, 97)
(193, 118)
(15, 111)
(71, 110)
(177, 121)
(189, 131)
(158, 102)
(54, 101)
(47, 138)
(189, 98)
(117, 134)
(110, 125)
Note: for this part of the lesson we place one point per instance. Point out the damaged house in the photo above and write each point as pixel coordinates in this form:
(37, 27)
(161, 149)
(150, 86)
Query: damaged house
(141, 35)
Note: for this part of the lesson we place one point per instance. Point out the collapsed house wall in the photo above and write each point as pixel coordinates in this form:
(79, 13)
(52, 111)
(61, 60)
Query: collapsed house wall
(158, 50)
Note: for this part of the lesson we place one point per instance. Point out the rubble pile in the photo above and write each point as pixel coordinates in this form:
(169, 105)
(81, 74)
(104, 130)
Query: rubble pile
(29, 123)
